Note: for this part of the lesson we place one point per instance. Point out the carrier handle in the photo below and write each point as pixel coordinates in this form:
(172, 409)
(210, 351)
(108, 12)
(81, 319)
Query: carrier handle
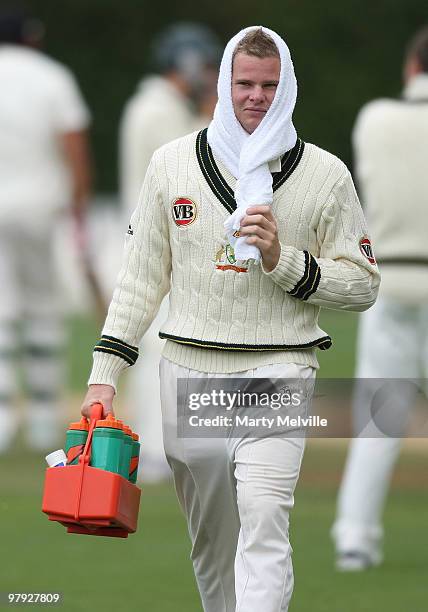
(96, 414)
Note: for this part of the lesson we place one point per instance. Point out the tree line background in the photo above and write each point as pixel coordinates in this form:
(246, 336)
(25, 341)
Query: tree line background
(345, 53)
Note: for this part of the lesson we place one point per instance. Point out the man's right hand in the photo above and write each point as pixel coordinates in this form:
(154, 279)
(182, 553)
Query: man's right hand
(98, 394)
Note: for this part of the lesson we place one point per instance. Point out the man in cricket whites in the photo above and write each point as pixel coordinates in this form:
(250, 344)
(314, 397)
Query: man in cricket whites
(390, 141)
(252, 231)
(45, 175)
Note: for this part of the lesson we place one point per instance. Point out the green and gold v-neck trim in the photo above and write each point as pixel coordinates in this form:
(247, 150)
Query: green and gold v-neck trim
(218, 184)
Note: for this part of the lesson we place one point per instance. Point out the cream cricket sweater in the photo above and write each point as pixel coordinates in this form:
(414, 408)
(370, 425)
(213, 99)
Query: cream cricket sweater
(391, 152)
(227, 315)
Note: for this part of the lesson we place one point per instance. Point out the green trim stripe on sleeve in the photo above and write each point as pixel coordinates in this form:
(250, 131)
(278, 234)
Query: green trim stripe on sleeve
(310, 280)
(114, 346)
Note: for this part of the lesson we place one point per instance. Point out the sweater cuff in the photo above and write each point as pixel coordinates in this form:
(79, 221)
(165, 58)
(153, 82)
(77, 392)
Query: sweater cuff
(106, 370)
(290, 268)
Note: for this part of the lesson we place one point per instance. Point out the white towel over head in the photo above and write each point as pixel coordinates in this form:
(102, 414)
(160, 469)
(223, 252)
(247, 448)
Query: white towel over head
(246, 155)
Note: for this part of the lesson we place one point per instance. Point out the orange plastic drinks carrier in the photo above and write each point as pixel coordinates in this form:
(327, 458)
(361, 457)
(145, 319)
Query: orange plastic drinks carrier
(89, 500)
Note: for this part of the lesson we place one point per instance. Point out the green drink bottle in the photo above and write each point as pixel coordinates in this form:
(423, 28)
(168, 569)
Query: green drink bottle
(135, 459)
(126, 452)
(107, 445)
(75, 440)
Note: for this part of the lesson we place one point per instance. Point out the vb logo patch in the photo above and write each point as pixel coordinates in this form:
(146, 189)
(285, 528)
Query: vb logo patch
(367, 250)
(183, 211)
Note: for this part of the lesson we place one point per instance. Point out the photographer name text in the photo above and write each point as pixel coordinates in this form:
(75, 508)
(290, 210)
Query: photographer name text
(262, 422)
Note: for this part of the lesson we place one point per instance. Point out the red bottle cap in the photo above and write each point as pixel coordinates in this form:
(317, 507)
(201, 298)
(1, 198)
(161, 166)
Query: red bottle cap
(110, 421)
(83, 424)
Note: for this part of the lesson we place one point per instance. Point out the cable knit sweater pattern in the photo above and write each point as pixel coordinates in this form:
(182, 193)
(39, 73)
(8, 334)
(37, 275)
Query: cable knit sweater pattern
(176, 243)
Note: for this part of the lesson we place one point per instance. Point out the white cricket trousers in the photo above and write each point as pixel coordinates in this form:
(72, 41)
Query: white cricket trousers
(392, 343)
(236, 495)
(30, 304)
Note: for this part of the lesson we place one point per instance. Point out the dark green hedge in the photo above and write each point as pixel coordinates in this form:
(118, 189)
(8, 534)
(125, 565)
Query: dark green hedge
(345, 53)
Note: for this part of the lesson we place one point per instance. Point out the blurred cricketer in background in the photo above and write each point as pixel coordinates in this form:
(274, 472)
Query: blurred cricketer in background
(391, 152)
(44, 169)
(174, 102)
(252, 231)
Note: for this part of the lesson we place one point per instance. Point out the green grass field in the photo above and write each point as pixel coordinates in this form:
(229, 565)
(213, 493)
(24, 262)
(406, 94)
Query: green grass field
(151, 572)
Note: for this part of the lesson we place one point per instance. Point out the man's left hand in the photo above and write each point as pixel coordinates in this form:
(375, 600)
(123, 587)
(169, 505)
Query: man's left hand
(260, 226)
